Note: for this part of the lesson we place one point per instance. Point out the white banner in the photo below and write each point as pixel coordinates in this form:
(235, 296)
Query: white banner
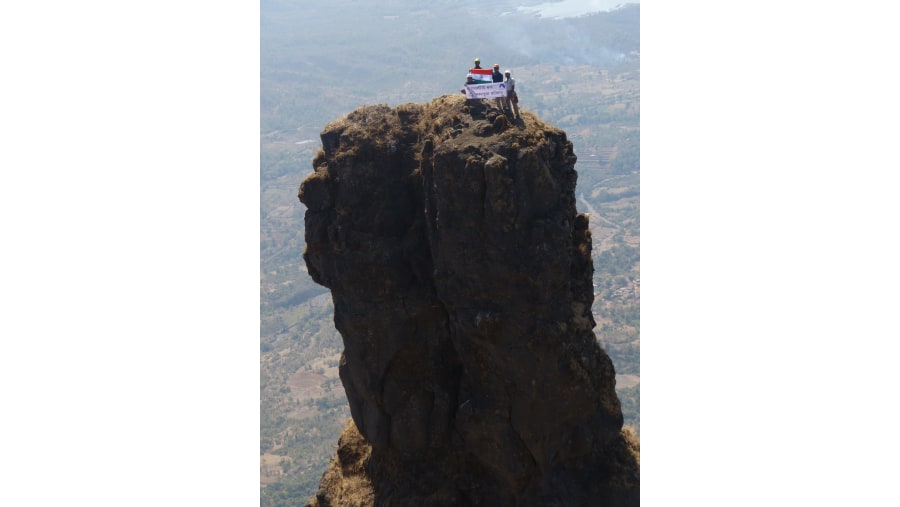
(485, 91)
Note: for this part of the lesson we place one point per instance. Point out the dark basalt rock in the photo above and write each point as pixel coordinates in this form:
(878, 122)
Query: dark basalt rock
(461, 276)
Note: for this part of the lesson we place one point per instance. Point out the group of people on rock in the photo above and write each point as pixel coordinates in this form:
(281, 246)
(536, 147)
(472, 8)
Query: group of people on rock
(509, 103)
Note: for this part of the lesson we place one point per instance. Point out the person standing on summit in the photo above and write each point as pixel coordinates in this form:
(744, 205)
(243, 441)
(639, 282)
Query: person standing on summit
(481, 75)
(497, 77)
(469, 81)
(512, 100)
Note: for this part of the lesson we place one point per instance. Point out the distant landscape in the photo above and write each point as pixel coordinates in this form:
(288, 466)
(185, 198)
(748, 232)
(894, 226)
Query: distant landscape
(581, 74)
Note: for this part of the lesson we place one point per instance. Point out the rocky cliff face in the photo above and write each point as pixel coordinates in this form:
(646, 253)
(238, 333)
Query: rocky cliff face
(461, 276)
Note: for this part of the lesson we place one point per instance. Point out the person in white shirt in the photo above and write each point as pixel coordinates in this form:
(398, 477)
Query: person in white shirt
(512, 100)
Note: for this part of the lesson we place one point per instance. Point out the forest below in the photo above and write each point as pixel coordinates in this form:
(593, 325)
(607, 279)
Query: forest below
(580, 74)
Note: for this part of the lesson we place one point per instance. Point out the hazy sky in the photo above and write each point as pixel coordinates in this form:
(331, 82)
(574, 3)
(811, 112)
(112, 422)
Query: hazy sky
(569, 8)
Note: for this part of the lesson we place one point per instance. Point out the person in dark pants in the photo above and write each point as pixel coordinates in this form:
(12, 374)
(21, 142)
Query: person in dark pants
(497, 77)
